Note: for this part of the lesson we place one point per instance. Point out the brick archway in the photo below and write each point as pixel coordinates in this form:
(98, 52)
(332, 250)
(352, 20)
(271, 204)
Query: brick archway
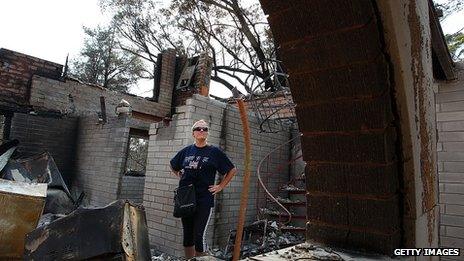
(342, 80)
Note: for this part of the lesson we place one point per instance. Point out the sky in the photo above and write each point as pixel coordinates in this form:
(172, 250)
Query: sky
(52, 29)
(48, 29)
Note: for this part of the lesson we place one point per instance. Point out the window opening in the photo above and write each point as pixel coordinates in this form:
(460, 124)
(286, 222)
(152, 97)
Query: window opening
(136, 160)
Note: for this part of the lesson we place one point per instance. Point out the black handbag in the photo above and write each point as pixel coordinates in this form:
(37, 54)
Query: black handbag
(184, 201)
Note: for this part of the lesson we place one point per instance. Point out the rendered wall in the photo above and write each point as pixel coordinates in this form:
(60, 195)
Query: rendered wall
(408, 43)
(74, 98)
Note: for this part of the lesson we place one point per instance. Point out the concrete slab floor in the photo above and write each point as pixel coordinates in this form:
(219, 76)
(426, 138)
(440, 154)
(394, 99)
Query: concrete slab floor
(311, 251)
(159, 256)
(303, 251)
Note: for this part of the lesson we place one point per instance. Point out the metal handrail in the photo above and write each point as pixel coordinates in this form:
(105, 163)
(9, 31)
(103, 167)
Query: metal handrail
(264, 186)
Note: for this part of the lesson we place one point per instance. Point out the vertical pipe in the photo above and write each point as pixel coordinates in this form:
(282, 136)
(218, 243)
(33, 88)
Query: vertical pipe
(246, 179)
(103, 108)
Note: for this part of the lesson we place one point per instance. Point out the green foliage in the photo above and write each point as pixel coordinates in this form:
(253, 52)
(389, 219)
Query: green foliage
(456, 45)
(137, 156)
(102, 62)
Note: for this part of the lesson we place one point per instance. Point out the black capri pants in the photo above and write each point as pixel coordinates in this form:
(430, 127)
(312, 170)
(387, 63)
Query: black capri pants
(195, 228)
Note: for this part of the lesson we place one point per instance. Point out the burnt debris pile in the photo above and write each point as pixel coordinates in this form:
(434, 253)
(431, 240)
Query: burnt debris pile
(42, 220)
(260, 237)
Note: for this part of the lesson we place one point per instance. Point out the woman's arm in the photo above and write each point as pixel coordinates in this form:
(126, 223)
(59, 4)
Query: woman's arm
(176, 173)
(225, 181)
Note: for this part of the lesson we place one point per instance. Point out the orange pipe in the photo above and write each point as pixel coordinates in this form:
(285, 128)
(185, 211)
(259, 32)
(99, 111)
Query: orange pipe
(246, 179)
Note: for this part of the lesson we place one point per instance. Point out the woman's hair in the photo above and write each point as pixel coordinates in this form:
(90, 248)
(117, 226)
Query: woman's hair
(198, 122)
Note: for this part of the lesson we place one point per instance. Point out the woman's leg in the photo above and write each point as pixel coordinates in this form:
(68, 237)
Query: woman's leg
(202, 217)
(187, 225)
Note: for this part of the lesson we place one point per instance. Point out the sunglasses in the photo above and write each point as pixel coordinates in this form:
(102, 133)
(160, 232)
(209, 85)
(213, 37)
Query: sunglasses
(205, 129)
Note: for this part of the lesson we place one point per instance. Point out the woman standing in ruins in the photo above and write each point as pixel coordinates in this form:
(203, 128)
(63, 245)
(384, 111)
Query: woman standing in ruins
(197, 164)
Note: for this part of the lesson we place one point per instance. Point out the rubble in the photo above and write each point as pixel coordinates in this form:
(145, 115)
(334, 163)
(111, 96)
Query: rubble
(160, 256)
(21, 205)
(288, 201)
(267, 211)
(48, 218)
(6, 150)
(41, 220)
(273, 212)
(288, 227)
(117, 231)
(274, 225)
(291, 187)
(260, 237)
(41, 168)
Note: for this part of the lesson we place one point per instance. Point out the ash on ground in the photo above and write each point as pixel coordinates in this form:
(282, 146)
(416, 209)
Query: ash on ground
(157, 255)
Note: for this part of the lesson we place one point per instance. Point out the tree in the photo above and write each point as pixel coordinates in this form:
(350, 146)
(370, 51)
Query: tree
(448, 7)
(137, 155)
(102, 62)
(236, 36)
(456, 45)
(455, 40)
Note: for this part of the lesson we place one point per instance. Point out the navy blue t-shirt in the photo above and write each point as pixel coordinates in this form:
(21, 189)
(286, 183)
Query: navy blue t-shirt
(199, 166)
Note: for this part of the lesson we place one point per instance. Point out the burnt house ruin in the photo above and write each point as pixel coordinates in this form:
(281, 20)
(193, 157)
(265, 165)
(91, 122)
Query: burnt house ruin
(378, 165)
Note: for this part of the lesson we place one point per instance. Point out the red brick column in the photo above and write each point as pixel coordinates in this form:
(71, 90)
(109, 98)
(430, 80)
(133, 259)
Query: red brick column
(168, 70)
(200, 82)
(339, 77)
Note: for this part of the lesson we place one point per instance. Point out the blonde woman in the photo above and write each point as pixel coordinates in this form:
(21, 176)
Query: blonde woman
(197, 164)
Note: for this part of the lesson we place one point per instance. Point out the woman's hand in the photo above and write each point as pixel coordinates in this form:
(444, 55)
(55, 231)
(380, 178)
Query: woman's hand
(178, 174)
(215, 189)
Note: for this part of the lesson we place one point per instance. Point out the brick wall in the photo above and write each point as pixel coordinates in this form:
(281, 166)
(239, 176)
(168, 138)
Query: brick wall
(132, 188)
(55, 135)
(165, 231)
(2, 126)
(101, 152)
(16, 71)
(227, 207)
(168, 71)
(26, 80)
(450, 123)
